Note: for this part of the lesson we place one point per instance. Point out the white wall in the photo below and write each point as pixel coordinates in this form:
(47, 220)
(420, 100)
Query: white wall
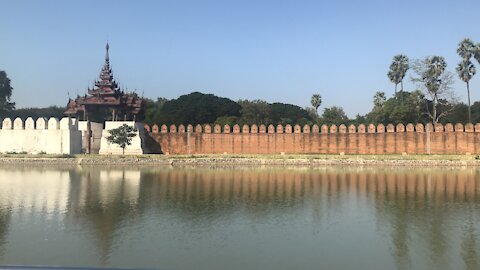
(96, 138)
(63, 137)
(33, 137)
(134, 149)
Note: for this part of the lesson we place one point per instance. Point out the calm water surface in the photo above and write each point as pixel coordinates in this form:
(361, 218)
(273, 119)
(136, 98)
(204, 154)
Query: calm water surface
(274, 218)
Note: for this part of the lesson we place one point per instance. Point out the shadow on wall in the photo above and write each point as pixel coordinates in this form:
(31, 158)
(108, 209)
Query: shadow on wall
(149, 144)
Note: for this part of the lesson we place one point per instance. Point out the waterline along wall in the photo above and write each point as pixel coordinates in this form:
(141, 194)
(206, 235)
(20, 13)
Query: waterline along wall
(371, 139)
(50, 136)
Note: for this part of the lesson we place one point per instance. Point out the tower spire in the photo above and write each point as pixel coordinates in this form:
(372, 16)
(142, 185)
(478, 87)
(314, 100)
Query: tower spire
(105, 93)
(106, 56)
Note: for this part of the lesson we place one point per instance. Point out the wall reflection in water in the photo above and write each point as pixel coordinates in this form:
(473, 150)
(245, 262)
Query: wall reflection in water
(243, 218)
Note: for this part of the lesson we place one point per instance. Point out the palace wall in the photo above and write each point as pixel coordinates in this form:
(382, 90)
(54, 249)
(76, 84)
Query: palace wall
(96, 136)
(64, 136)
(371, 139)
(136, 146)
(50, 136)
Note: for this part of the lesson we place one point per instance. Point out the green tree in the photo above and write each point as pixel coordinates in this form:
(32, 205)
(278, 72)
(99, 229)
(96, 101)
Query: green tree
(281, 113)
(24, 113)
(312, 113)
(153, 109)
(460, 113)
(398, 70)
(359, 119)
(334, 115)
(379, 99)
(122, 136)
(466, 49)
(6, 105)
(316, 101)
(197, 108)
(457, 115)
(436, 81)
(406, 107)
(254, 112)
(476, 112)
(230, 120)
(466, 69)
(476, 53)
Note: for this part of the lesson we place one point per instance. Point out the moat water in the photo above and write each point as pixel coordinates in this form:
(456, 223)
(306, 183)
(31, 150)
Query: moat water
(265, 218)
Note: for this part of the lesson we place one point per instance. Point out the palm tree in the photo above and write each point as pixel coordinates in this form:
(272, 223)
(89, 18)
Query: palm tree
(316, 101)
(476, 53)
(466, 48)
(398, 70)
(465, 69)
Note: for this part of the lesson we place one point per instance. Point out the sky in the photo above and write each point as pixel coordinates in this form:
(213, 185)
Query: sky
(278, 51)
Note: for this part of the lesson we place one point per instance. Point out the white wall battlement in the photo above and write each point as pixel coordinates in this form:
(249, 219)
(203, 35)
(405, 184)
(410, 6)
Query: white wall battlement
(41, 123)
(50, 136)
(64, 136)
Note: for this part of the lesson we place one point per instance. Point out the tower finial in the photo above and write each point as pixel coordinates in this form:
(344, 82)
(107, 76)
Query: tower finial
(107, 47)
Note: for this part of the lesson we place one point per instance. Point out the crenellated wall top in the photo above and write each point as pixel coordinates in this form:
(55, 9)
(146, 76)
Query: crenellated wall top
(39, 124)
(313, 129)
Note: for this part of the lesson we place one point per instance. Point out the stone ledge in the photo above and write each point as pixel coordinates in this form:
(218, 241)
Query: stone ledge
(236, 161)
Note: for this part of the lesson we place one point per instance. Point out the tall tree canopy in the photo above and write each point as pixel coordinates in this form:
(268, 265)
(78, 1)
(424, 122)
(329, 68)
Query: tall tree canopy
(24, 113)
(466, 49)
(255, 112)
(153, 109)
(406, 107)
(436, 81)
(5, 94)
(316, 101)
(476, 53)
(261, 112)
(465, 69)
(197, 108)
(398, 70)
(289, 114)
(334, 115)
(379, 99)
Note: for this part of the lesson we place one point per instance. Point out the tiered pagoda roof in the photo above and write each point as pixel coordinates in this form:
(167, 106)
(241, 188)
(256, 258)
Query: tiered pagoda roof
(106, 93)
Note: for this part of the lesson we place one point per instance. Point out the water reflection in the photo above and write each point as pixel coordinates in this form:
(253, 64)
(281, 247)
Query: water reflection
(177, 218)
(4, 222)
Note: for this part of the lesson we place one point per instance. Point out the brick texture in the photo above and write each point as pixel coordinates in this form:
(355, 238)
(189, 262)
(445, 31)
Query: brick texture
(378, 140)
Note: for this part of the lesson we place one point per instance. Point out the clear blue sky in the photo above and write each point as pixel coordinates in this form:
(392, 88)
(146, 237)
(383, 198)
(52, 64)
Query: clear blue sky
(272, 50)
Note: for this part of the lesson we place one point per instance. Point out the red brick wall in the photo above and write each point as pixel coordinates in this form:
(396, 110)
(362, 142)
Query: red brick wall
(410, 139)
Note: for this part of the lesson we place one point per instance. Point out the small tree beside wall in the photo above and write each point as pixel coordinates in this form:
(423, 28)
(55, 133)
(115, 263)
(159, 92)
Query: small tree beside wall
(122, 136)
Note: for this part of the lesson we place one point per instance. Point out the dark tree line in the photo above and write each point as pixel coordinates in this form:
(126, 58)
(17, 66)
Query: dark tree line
(52, 111)
(194, 108)
(405, 107)
(199, 108)
(6, 105)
